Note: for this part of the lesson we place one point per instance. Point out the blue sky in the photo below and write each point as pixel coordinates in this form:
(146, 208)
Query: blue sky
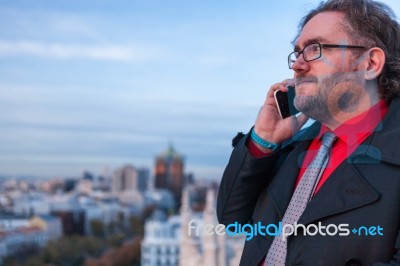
(92, 84)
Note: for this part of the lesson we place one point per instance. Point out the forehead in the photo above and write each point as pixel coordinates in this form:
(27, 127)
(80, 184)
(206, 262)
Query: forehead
(325, 27)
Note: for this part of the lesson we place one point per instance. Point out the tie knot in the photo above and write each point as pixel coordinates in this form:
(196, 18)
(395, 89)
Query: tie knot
(328, 139)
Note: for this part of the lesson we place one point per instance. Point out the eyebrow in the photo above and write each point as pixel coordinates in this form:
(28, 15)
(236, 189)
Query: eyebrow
(310, 41)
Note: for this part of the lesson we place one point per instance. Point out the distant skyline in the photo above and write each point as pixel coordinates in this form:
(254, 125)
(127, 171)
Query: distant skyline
(96, 83)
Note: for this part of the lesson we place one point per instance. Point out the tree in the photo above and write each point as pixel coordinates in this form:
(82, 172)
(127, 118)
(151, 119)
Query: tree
(97, 227)
(126, 255)
(136, 224)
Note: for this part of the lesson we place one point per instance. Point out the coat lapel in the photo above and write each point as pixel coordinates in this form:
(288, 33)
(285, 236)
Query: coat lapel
(344, 190)
(282, 187)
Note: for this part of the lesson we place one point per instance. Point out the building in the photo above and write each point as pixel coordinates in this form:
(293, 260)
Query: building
(160, 198)
(171, 241)
(52, 225)
(32, 203)
(12, 241)
(68, 209)
(169, 173)
(9, 221)
(84, 186)
(143, 179)
(93, 212)
(22, 232)
(198, 248)
(161, 243)
(124, 178)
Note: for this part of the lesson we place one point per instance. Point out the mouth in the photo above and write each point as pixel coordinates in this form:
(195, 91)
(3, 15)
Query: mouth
(305, 81)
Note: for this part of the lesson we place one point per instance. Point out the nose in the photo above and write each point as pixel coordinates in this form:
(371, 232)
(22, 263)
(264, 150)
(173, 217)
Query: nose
(300, 65)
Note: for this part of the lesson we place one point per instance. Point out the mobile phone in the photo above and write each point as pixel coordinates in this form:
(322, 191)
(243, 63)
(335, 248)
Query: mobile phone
(284, 102)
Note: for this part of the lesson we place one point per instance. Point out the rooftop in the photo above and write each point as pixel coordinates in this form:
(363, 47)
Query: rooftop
(170, 153)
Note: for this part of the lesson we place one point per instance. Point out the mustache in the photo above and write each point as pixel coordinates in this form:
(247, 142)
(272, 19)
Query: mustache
(301, 79)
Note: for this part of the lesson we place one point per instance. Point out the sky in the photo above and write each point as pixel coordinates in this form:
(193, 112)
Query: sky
(96, 84)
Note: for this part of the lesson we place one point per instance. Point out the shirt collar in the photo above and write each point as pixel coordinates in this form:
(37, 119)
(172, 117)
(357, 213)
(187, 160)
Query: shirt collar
(360, 126)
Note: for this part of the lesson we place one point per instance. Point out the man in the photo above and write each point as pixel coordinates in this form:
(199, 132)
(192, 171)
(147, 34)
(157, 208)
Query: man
(339, 179)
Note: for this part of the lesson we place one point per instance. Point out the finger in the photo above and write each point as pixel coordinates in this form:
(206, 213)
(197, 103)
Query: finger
(296, 123)
(288, 82)
(270, 100)
(275, 87)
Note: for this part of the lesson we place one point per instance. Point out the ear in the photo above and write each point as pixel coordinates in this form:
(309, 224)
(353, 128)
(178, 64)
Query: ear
(375, 62)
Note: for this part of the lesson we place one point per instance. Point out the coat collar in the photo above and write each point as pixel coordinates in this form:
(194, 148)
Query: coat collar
(381, 145)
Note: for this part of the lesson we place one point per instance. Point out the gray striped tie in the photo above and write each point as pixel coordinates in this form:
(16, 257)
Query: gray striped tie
(301, 196)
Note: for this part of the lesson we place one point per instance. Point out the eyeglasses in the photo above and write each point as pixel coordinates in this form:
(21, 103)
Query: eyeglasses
(314, 51)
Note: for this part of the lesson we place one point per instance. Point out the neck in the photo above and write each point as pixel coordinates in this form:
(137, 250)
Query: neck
(363, 104)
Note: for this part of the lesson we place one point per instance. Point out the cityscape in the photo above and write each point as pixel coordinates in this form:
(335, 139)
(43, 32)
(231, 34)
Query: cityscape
(116, 121)
(126, 217)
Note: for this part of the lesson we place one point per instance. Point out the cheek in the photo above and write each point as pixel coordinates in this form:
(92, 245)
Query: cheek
(343, 98)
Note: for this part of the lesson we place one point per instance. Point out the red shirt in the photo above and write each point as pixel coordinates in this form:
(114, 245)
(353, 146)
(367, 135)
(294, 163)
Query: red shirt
(350, 135)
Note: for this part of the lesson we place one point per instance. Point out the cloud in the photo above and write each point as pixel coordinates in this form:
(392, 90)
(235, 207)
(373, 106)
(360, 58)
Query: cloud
(71, 51)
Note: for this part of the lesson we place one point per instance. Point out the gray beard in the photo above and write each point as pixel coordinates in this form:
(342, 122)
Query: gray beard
(316, 106)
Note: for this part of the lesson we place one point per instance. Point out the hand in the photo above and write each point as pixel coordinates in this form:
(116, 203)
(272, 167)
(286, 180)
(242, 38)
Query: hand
(270, 126)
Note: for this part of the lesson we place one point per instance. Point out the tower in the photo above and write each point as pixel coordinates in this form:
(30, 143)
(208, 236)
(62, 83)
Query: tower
(210, 254)
(169, 172)
(189, 245)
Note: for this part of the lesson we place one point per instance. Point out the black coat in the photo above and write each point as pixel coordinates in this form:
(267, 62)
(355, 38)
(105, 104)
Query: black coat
(363, 191)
